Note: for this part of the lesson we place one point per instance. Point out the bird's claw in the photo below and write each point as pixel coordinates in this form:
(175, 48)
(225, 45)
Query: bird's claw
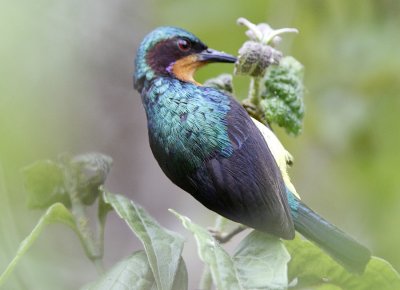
(224, 237)
(221, 237)
(250, 108)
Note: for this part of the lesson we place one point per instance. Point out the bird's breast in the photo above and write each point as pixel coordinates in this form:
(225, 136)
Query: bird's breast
(186, 123)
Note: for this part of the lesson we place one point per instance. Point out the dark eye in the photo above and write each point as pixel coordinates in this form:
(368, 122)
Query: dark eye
(184, 44)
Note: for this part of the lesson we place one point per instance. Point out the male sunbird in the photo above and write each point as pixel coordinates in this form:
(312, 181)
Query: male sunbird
(208, 145)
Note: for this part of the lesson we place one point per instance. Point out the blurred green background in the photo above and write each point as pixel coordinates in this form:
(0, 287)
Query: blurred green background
(65, 86)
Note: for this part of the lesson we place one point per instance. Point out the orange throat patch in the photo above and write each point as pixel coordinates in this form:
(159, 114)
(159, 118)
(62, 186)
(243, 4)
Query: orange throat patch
(185, 68)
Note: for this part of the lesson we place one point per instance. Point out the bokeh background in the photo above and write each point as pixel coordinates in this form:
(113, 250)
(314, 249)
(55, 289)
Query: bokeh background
(66, 86)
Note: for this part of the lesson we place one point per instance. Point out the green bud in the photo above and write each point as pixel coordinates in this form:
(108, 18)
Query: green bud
(91, 171)
(255, 57)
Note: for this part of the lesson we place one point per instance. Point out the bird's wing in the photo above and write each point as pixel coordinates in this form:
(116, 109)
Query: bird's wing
(247, 186)
(281, 155)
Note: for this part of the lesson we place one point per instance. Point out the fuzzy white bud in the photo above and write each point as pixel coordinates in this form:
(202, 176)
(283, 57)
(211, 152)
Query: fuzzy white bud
(254, 58)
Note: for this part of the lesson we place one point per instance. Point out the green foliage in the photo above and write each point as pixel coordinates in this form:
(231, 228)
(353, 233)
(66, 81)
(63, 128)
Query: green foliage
(67, 185)
(48, 181)
(260, 261)
(282, 98)
(132, 273)
(221, 265)
(45, 184)
(57, 213)
(312, 268)
(163, 247)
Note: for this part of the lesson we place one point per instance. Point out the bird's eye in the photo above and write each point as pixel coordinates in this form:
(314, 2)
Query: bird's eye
(184, 44)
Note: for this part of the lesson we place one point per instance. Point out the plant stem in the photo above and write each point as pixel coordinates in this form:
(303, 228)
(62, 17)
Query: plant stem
(252, 102)
(226, 237)
(102, 212)
(82, 223)
(255, 91)
(93, 246)
(8, 238)
(52, 215)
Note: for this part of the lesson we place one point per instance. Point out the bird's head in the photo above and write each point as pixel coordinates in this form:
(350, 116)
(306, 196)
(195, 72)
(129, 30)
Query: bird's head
(172, 51)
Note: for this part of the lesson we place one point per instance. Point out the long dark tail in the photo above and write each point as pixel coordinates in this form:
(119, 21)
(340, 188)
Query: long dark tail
(339, 245)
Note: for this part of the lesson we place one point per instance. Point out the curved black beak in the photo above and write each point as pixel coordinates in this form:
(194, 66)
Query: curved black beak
(211, 55)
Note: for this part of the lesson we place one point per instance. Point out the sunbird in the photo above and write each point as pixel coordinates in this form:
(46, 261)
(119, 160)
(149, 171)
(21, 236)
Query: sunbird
(207, 144)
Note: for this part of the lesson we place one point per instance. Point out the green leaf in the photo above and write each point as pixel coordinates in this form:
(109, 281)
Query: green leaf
(163, 247)
(44, 182)
(48, 182)
(312, 267)
(56, 213)
(132, 273)
(220, 263)
(260, 262)
(181, 277)
(282, 100)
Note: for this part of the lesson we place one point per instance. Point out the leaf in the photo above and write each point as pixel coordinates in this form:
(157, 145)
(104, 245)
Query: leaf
(220, 263)
(132, 273)
(181, 277)
(48, 182)
(44, 182)
(260, 261)
(56, 213)
(282, 100)
(163, 247)
(313, 267)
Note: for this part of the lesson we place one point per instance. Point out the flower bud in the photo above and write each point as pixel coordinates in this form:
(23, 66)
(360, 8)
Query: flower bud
(91, 171)
(255, 58)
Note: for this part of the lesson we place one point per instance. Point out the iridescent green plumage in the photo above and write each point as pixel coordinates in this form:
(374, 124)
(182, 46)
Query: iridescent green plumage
(187, 127)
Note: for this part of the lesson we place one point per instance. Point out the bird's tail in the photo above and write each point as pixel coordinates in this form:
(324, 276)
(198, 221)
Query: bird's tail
(339, 245)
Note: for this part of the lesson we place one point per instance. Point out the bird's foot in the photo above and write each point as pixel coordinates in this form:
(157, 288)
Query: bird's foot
(224, 237)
